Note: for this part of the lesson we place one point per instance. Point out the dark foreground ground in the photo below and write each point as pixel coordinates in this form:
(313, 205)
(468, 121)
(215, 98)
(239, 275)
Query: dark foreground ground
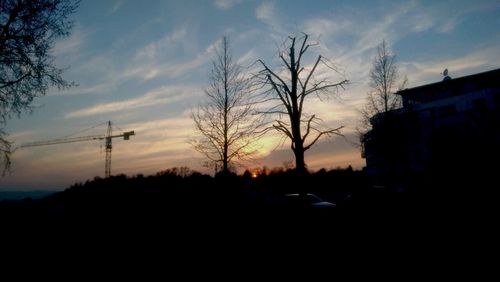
(197, 202)
(168, 220)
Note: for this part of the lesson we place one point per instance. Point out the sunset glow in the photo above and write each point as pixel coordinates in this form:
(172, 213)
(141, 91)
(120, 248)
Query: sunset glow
(145, 67)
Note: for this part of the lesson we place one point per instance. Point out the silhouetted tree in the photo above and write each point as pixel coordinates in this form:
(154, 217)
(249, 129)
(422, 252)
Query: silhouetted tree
(4, 151)
(28, 30)
(289, 88)
(225, 121)
(384, 82)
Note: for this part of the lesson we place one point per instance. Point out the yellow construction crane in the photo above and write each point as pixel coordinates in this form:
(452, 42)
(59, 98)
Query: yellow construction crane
(107, 142)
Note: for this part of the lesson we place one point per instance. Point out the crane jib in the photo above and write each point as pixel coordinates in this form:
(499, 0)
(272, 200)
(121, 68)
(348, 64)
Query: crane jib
(108, 142)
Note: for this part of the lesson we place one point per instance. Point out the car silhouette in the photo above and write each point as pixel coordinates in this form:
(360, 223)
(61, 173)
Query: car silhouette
(307, 201)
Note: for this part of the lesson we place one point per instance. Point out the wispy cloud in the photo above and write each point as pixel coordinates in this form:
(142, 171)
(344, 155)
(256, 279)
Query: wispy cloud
(24, 136)
(171, 70)
(96, 67)
(265, 11)
(71, 45)
(448, 26)
(325, 27)
(248, 58)
(226, 4)
(116, 6)
(159, 144)
(373, 35)
(327, 153)
(440, 17)
(176, 70)
(178, 53)
(102, 88)
(422, 22)
(159, 96)
(150, 51)
(423, 19)
(181, 126)
(153, 68)
(429, 72)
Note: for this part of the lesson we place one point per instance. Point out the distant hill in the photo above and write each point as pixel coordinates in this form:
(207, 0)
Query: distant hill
(19, 195)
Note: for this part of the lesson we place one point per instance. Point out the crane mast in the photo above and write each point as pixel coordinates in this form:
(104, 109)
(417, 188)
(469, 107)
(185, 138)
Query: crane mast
(107, 142)
(109, 146)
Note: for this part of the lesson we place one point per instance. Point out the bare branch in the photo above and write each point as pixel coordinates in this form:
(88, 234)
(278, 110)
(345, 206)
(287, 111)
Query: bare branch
(283, 127)
(310, 74)
(335, 131)
(303, 49)
(28, 33)
(384, 79)
(308, 127)
(285, 62)
(320, 88)
(284, 99)
(271, 73)
(5, 152)
(226, 123)
(292, 91)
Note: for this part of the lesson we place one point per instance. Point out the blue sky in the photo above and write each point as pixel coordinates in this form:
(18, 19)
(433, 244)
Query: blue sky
(144, 64)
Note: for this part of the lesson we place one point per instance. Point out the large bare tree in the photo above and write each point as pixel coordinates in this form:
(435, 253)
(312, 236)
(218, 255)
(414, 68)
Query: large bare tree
(226, 124)
(385, 81)
(289, 88)
(28, 30)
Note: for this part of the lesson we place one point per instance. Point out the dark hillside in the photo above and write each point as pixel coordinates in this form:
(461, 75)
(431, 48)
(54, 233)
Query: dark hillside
(192, 202)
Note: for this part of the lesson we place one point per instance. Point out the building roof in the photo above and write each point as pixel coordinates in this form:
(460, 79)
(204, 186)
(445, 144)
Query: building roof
(452, 87)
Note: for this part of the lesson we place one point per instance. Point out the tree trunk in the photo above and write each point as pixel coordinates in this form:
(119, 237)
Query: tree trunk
(298, 150)
(300, 170)
(300, 164)
(225, 167)
(298, 145)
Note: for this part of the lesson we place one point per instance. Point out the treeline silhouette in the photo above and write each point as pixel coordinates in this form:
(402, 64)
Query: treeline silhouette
(184, 192)
(182, 199)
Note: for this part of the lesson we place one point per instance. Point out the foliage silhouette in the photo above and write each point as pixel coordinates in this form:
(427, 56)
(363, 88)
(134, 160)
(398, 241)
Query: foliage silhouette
(28, 31)
(199, 204)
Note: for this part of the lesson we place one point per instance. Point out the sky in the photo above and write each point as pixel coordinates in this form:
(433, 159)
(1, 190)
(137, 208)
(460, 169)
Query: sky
(144, 66)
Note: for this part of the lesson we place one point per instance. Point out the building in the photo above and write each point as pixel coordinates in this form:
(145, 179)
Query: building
(446, 133)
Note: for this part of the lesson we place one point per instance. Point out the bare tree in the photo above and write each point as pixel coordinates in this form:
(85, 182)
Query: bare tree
(28, 30)
(226, 124)
(384, 82)
(288, 89)
(4, 152)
